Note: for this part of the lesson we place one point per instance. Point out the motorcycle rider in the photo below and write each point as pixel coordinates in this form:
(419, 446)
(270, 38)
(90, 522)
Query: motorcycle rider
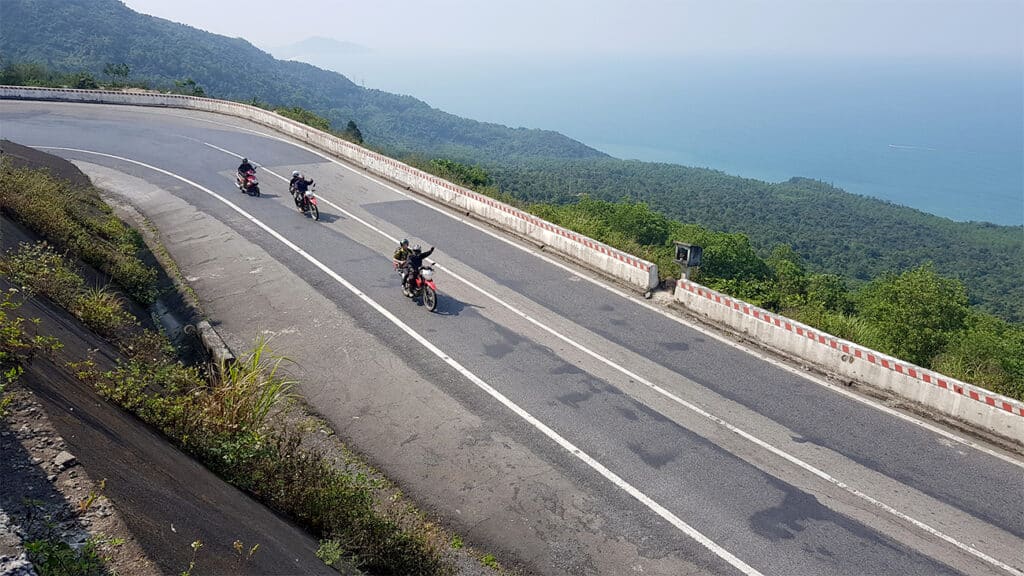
(301, 186)
(291, 183)
(244, 167)
(412, 266)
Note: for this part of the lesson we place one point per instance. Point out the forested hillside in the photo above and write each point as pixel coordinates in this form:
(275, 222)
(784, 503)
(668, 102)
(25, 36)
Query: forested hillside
(76, 35)
(835, 232)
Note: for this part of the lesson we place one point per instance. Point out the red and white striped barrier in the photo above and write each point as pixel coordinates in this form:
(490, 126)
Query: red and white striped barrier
(980, 407)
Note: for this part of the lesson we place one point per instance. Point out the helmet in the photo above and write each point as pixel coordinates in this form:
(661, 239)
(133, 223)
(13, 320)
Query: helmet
(245, 160)
(404, 242)
(295, 174)
(416, 249)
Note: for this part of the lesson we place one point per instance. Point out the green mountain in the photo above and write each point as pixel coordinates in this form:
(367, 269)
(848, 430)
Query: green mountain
(835, 232)
(74, 35)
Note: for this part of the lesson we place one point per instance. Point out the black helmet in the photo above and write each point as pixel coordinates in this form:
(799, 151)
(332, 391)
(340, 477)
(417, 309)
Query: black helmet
(404, 242)
(416, 249)
(245, 160)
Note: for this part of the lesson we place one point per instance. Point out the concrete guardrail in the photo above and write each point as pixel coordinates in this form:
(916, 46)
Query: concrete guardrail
(982, 408)
(596, 255)
(989, 411)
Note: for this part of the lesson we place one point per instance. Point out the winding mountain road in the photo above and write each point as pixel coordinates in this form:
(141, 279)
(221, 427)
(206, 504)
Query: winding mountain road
(565, 424)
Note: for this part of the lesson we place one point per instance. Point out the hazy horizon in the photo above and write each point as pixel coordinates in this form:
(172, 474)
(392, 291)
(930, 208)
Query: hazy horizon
(556, 28)
(875, 96)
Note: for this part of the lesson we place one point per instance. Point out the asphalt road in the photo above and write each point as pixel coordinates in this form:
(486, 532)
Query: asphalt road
(566, 426)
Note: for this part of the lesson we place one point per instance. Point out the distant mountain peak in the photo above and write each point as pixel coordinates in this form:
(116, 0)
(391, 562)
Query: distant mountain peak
(321, 46)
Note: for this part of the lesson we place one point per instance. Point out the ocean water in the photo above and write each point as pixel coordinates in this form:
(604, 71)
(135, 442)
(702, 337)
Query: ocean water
(942, 136)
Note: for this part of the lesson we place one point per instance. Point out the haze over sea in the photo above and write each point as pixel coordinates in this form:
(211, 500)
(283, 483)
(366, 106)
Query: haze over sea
(943, 136)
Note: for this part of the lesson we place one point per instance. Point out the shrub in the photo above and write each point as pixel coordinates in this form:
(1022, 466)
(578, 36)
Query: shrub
(41, 271)
(103, 311)
(77, 222)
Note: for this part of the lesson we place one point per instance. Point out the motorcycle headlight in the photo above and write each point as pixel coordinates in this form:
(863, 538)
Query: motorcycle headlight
(427, 274)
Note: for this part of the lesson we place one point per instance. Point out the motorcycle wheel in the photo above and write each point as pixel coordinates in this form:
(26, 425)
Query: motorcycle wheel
(314, 211)
(429, 298)
(255, 191)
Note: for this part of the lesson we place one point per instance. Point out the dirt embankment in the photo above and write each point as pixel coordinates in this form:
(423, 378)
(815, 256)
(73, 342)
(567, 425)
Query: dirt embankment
(155, 501)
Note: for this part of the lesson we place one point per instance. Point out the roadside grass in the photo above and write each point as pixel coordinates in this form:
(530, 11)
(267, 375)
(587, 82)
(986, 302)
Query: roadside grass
(231, 418)
(54, 557)
(51, 555)
(18, 344)
(75, 220)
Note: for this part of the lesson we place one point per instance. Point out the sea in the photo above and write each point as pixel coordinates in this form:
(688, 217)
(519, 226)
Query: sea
(943, 135)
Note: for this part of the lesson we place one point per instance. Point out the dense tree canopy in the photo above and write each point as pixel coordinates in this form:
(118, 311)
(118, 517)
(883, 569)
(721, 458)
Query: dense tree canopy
(835, 233)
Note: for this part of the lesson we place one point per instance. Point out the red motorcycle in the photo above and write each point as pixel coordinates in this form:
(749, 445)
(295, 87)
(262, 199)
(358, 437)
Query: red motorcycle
(306, 202)
(422, 286)
(247, 183)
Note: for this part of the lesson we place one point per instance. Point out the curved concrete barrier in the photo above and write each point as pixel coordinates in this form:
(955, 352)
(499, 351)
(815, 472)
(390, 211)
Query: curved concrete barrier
(587, 251)
(982, 408)
(986, 410)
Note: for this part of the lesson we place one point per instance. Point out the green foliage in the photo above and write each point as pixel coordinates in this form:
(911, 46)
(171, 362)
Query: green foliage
(189, 87)
(988, 352)
(84, 81)
(829, 292)
(29, 74)
(461, 174)
(117, 73)
(231, 424)
(103, 311)
(53, 557)
(76, 220)
(329, 551)
(852, 236)
(791, 281)
(917, 312)
(845, 326)
(40, 271)
(352, 133)
(306, 117)
(18, 344)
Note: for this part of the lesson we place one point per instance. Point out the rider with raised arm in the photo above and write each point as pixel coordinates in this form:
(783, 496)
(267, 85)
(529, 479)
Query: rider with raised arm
(412, 266)
(301, 186)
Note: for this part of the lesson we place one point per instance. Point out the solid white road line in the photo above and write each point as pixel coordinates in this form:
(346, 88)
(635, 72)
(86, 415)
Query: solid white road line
(693, 407)
(676, 318)
(515, 408)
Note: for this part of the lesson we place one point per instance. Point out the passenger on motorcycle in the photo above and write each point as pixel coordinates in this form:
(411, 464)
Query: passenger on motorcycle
(413, 264)
(291, 183)
(402, 253)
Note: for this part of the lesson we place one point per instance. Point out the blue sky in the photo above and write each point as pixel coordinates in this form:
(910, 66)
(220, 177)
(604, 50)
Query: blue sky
(898, 28)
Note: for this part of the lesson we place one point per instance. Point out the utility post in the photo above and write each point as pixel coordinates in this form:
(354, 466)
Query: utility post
(688, 256)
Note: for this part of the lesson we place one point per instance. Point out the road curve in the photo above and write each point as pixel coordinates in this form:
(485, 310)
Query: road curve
(564, 425)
